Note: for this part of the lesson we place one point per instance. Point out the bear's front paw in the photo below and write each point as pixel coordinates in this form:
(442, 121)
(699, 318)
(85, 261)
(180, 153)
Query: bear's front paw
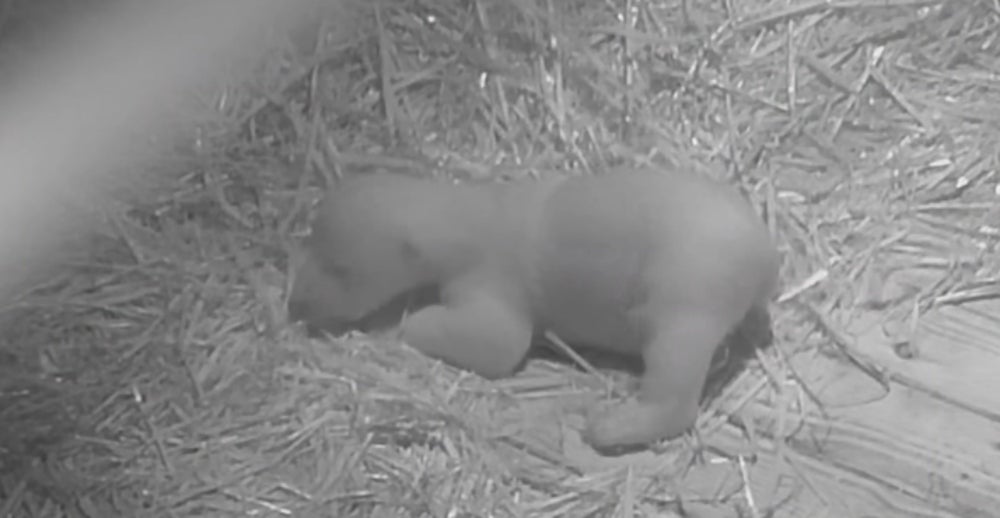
(631, 424)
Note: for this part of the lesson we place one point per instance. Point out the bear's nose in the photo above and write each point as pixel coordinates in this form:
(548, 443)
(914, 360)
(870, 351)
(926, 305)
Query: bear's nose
(300, 310)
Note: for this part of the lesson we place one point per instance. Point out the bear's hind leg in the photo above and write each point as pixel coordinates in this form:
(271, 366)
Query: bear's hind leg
(676, 363)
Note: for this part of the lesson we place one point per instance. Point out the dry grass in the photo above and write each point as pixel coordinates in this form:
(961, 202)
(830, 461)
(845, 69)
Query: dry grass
(156, 376)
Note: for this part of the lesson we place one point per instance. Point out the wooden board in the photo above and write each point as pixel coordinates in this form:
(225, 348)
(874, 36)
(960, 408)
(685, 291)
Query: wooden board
(929, 445)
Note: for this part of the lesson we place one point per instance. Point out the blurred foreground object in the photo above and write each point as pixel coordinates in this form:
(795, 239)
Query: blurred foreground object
(76, 110)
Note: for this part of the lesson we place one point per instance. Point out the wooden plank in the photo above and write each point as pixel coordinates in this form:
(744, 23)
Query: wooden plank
(793, 484)
(903, 455)
(931, 442)
(957, 354)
